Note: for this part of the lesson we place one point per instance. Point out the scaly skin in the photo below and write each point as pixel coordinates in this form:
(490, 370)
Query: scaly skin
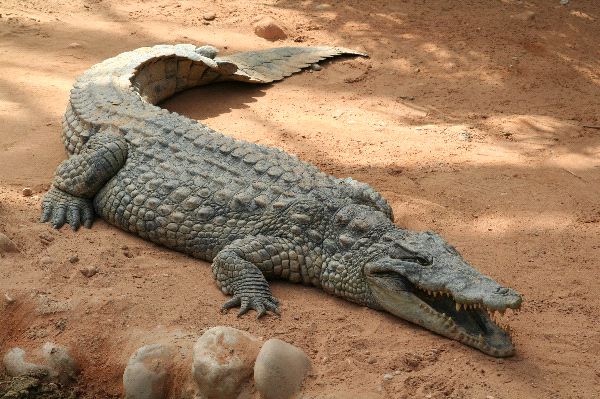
(255, 212)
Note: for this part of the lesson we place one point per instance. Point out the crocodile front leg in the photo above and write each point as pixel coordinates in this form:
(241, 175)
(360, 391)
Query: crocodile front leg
(79, 178)
(240, 269)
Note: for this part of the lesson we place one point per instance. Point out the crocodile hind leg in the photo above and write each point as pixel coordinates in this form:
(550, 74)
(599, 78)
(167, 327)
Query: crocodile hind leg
(79, 178)
(240, 269)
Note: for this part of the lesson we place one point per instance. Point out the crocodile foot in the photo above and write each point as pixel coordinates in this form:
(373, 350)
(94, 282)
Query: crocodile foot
(260, 302)
(59, 207)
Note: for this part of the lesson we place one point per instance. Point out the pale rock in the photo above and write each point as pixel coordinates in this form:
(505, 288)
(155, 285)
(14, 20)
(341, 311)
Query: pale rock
(9, 299)
(16, 365)
(209, 16)
(46, 260)
(222, 362)
(89, 271)
(62, 366)
(525, 16)
(269, 29)
(280, 369)
(146, 373)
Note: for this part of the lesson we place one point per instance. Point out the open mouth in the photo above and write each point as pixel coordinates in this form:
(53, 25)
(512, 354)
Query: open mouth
(473, 323)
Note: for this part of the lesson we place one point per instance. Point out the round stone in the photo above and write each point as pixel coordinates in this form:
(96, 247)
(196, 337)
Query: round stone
(222, 362)
(62, 366)
(146, 372)
(280, 369)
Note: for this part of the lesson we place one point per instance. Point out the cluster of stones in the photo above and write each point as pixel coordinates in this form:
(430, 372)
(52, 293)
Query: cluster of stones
(226, 363)
(54, 363)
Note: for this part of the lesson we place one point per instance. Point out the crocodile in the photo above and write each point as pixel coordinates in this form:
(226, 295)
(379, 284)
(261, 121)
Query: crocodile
(257, 213)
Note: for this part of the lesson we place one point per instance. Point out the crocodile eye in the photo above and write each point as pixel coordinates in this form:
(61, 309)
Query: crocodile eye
(421, 260)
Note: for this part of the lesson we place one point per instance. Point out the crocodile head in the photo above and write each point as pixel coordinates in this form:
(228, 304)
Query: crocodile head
(423, 279)
(417, 276)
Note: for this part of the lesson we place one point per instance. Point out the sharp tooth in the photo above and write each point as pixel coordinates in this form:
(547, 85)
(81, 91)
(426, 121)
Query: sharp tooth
(457, 307)
(435, 294)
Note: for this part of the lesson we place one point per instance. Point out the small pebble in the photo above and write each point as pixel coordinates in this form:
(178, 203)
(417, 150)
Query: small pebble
(6, 245)
(89, 271)
(209, 16)
(466, 136)
(46, 238)
(316, 67)
(127, 254)
(74, 259)
(323, 6)
(46, 260)
(27, 192)
(9, 299)
(267, 28)
(74, 45)
(372, 360)
(525, 15)
(564, 2)
(387, 377)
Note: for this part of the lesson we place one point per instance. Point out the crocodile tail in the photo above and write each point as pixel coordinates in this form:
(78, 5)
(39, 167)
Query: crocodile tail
(271, 65)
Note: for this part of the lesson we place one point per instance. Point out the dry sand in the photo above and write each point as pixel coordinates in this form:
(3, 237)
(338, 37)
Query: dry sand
(469, 117)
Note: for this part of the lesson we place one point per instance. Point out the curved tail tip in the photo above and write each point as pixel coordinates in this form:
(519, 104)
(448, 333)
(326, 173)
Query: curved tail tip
(348, 51)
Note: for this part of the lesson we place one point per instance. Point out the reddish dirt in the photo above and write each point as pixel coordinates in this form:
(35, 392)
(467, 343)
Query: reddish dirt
(469, 117)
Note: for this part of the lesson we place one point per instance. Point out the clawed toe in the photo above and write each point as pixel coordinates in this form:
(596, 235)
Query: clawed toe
(261, 305)
(59, 208)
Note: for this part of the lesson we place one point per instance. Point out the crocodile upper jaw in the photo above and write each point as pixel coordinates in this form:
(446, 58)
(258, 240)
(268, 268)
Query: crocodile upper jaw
(440, 314)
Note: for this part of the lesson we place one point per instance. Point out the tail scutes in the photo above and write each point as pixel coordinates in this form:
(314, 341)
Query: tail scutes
(265, 66)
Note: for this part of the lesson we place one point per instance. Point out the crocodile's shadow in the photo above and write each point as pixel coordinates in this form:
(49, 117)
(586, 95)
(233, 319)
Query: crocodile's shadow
(212, 100)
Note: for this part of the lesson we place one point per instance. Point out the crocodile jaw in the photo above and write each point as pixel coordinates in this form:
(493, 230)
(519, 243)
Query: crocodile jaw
(472, 326)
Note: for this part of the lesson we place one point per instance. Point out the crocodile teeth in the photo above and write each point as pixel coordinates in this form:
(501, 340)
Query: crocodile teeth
(458, 307)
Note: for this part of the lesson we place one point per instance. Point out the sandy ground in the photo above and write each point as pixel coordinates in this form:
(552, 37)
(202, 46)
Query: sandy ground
(470, 117)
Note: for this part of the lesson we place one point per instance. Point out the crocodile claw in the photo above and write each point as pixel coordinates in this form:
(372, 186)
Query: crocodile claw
(59, 208)
(260, 304)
